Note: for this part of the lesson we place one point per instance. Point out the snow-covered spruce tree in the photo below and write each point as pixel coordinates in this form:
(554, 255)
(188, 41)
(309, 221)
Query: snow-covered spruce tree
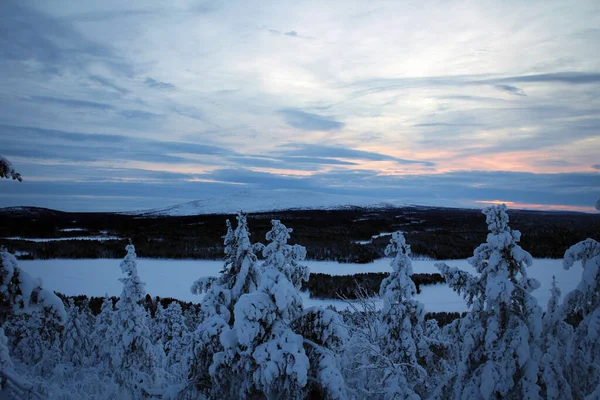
(283, 257)
(35, 340)
(138, 362)
(273, 347)
(7, 171)
(191, 316)
(583, 354)
(321, 331)
(21, 295)
(240, 275)
(157, 325)
(76, 338)
(324, 335)
(498, 352)
(261, 353)
(171, 332)
(103, 338)
(389, 355)
(556, 334)
(403, 341)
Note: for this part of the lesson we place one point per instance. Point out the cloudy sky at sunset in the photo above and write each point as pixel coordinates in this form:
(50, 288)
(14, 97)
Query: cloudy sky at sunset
(118, 105)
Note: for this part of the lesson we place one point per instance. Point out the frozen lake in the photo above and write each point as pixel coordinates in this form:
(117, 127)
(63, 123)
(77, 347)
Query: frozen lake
(173, 278)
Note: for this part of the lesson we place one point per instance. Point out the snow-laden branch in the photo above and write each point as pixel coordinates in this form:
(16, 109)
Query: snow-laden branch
(19, 386)
(7, 171)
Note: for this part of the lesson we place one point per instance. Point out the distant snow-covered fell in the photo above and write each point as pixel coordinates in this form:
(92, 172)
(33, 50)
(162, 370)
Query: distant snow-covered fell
(265, 200)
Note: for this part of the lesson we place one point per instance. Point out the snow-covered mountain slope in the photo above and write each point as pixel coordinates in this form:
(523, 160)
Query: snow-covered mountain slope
(264, 200)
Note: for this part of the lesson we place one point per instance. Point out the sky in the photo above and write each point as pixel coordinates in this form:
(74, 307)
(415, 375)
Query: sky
(114, 106)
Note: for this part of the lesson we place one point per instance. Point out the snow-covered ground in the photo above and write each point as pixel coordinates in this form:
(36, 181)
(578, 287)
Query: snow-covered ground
(173, 278)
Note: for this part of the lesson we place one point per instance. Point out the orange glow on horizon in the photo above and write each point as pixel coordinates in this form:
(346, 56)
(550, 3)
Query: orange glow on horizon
(540, 207)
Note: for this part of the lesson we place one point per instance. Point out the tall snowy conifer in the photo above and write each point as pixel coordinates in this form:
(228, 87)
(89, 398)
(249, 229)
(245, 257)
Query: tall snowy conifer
(262, 354)
(76, 338)
(498, 353)
(321, 331)
(103, 336)
(402, 317)
(554, 341)
(583, 353)
(324, 336)
(139, 362)
(240, 275)
(171, 332)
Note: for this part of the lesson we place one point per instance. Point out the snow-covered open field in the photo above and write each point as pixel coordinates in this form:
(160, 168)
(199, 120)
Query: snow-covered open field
(173, 278)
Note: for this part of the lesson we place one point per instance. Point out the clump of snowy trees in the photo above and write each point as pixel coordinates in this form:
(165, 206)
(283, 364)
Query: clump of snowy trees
(500, 334)
(257, 339)
(254, 339)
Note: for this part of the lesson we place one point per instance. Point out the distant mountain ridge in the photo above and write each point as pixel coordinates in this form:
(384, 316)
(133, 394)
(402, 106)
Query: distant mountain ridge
(255, 201)
(263, 201)
(26, 211)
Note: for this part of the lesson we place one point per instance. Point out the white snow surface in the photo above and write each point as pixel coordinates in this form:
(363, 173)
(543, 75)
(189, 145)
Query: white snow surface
(265, 200)
(173, 278)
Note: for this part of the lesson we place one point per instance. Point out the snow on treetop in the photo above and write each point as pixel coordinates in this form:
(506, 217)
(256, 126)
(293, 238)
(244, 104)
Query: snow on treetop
(279, 233)
(128, 264)
(496, 218)
(555, 292)
(398, 286)
(284, 257)
(397, 245)
(133, 287)
(500, 238)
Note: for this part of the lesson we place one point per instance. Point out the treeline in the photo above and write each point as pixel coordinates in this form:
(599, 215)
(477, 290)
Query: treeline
(79, 249)
(190, 310)
(437, 233)
(324, 286)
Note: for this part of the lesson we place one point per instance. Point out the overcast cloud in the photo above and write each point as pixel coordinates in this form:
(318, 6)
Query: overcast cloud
(124, 105)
